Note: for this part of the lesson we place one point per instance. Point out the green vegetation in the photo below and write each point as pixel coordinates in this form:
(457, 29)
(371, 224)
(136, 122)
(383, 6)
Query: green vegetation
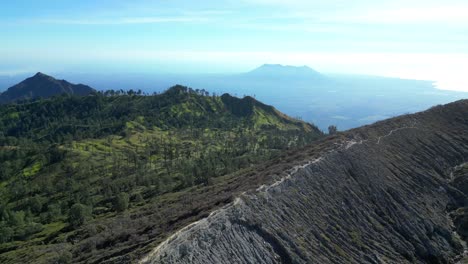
(121, 202)
(79, 214)
(70, 164)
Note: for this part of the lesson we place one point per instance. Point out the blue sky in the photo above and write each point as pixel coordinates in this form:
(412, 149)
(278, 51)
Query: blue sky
(407, 39)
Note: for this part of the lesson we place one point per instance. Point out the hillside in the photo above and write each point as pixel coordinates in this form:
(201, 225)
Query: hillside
(391, 192)
(110, 175)
(42, 86)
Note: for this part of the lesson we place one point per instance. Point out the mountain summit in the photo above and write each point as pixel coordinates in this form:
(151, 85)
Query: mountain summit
(42, 86)
(278, 70)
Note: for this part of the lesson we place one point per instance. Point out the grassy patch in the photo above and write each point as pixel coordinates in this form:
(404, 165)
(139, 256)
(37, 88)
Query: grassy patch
(33, 169)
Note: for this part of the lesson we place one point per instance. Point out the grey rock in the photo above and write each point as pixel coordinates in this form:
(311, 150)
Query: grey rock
(379, 196)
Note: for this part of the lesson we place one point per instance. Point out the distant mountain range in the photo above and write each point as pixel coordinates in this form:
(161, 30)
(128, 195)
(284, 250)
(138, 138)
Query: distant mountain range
(346, 101)
(42, 86)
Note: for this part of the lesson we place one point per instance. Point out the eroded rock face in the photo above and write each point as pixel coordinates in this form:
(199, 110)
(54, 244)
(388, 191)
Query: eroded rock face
(380, 196)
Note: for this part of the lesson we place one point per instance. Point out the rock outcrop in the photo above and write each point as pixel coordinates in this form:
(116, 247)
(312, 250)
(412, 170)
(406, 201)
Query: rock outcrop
(377, 194)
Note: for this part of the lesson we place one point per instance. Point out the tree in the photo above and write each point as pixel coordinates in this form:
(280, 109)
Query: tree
(53, 212)
(79, 214)
(6, 234)
(35, 204)
(121, 202)
(138, 198)
(17, 218)
(64, 257)
(332, 130)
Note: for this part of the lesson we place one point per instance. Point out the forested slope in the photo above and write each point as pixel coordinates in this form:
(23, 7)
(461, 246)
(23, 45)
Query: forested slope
(109, 175)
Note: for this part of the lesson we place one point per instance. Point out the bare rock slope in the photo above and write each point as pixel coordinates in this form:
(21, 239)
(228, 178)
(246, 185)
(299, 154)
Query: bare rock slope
(378, 194)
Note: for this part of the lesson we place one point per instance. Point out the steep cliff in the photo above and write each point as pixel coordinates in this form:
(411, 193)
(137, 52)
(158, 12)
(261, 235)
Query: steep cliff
(377, 194)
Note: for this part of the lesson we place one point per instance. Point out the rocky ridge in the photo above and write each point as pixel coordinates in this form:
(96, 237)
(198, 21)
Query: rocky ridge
(377, 194)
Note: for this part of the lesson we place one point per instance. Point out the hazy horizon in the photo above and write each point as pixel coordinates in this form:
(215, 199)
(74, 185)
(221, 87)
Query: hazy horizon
(421, 40)
(75, 76)
(346, 101)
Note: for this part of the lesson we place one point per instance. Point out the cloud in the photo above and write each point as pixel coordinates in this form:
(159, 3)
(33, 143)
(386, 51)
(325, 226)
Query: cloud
(363, 36)
(122, 21)
(371, 12)
(453, 83)
(340, 117)
(408, 15)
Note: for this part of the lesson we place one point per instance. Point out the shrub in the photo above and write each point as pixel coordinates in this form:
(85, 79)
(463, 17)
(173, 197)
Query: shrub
(6, 233)
(35, 204)
(79, 214)
(138, 198)
(121, 202)
(64, 257)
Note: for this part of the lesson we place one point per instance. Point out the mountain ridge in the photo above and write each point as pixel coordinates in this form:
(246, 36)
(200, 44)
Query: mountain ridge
(368, 195)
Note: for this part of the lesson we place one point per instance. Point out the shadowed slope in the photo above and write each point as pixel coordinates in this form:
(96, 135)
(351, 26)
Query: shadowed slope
(42, 86)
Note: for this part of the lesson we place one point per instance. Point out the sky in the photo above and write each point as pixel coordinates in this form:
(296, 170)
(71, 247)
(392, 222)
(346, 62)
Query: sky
(415, 39)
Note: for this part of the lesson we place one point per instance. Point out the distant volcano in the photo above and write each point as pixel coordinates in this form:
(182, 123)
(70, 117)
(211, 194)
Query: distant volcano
(278, 70)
